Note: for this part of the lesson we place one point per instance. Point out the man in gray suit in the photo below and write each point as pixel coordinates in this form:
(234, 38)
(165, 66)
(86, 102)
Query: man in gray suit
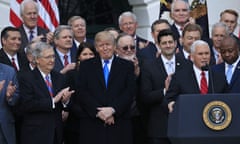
(8, 98)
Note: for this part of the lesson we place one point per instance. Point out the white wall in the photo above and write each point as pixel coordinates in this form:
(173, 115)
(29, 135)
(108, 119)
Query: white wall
(4, 19)
(215, 7)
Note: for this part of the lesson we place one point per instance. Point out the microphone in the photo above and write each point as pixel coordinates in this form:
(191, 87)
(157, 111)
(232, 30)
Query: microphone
(208, 68)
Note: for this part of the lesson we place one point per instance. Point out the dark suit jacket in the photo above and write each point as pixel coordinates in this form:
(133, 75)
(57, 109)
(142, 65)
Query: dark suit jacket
(41, 122)
(24, 38)
(185, 82)
(74, 47)
(58, 63)
(176, 34)
(148, 53)
(7, 120)
(93, 94)
(153, 75)
(234, 86)
(22, 60)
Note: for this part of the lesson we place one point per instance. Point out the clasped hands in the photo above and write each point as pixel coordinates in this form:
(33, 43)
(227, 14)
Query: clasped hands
(106, 115)
(64, 95)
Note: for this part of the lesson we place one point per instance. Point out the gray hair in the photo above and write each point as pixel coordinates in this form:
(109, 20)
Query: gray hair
(39, 48)
(221, 24)
(25, 2)
(73, 18)
(197, 43)
(127, 14)
(30, 47)
(121, 35)
(177, 1)
(59, 29)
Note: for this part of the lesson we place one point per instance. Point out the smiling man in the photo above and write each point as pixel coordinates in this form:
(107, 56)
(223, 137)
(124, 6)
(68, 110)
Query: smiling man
(106, 88)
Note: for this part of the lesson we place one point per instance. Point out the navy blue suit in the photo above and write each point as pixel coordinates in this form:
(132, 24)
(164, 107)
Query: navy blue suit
(58, 62)
(148, 53)
(234, 86)
(8, 74)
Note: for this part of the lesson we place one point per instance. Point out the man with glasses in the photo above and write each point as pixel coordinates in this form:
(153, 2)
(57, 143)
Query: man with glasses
(128, 24)
(43, 97)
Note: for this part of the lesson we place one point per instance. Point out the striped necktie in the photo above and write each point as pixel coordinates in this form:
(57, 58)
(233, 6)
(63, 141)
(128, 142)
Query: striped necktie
(49, 85)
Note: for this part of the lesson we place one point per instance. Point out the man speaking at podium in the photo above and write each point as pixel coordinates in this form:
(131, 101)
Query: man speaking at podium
(196, 78)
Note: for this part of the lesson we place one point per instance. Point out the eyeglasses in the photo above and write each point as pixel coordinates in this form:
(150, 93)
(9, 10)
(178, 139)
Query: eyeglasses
(132, 47)
(49, 57)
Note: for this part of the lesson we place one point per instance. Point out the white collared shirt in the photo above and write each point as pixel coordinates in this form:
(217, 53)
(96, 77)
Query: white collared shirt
(234, 66)
(198, 75)
(186, 54)
(109, 64)
(15, 59)
(169, 69)
(61, 55)
(27, 31)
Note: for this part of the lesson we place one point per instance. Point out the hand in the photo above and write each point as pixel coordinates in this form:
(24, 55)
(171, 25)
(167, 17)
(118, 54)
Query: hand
(49, 37)
(60, 94)
(2, 84)
(110, 121)
(11, 88)
(158, 54)
(143, 44)
(105, 112)
(67, 68)
(170, 106)
(64, 115)
(66, 94)
(37, 38)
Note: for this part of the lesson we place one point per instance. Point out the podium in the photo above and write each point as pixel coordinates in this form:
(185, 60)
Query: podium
(189, 121)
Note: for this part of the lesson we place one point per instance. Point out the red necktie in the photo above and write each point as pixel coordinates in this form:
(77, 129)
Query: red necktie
(14, 64)
(203, 84)
(65, 60)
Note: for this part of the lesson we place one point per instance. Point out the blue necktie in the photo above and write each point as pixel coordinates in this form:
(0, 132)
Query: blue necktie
(49, 85)
(106, 71)
(229, 73)
(31, 35)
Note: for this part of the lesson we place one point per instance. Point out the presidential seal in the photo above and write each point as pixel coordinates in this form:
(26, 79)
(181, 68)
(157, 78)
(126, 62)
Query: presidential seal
(217, 115)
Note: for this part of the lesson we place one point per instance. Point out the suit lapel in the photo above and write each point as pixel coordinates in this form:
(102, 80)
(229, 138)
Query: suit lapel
(114, 70)
(99, 71)
(235, 74)
(40, 81)
(194, 81)
(161, 66)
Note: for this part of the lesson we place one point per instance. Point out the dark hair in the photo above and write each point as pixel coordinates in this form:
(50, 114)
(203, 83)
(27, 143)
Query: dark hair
(159, 21)
(84, 45)
(4, 33)
(166, 32)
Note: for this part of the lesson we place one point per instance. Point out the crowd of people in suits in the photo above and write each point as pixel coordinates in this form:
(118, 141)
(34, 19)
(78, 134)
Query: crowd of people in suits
(61, 87)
